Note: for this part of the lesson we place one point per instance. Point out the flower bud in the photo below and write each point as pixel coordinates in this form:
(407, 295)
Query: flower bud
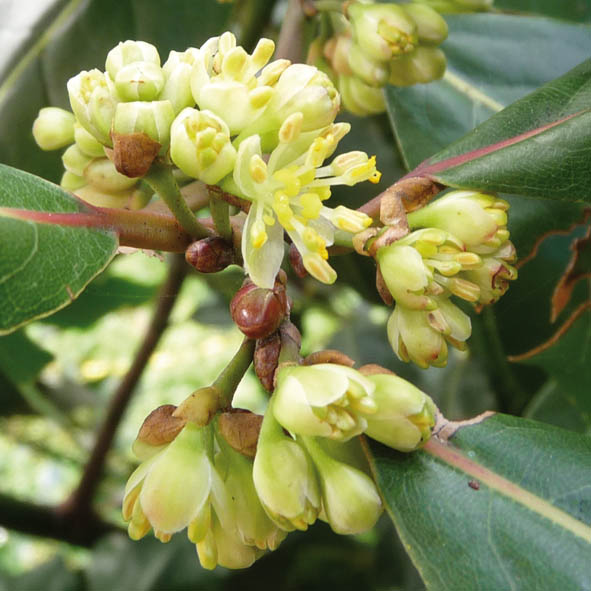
(159, 428)
(75, 161)
(98, 198)
(152, 118)
(254, 526)
(337, 50)
(139, 81)
(210, 255)
(422, 336)
(71, 181)
(405, 415)
(284, 478)
(383, 31)
(324, 400)
(351, 503)
(173, 485)
(93, 100)
(102, 174)
(423, 65)
(177, 73)
(54, 128)
(87, 143)
(474, 218)
(201, 147)
(129, 52)
(431, 27)
(360, 98)
(372, 72)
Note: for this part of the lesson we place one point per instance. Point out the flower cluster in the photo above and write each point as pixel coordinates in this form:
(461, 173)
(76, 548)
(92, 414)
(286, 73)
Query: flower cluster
(260, 130)
(308, 465)
(379, 44)
(462, 250)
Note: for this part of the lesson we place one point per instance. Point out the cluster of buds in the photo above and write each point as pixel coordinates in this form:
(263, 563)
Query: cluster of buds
(379, 44)
(87, 170)
(260, 130)
(304, 462)
(462, 249)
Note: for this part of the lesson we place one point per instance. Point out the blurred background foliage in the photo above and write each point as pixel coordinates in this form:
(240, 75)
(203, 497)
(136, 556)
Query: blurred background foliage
(57, 375)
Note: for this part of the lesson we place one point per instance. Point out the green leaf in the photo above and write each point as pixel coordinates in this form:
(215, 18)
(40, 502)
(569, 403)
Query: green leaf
(537, 147)
(489, 67)
(568, 362)
(504, 503)
(577, 10)
(43, 266)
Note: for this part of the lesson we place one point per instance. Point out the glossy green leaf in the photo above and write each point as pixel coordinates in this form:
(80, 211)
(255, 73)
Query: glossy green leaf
(493, 60)
(502, 504)
(537, 147)
(577, 10)
(43, 266)
(568, 362)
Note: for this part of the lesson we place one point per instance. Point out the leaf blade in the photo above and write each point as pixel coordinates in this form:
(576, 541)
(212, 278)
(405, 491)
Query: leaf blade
(445, 498)
(44, 267)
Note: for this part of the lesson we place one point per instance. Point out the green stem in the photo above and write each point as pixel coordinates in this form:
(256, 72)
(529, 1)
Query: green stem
(220, 214)
(162, 181)
(232, 375)
(328, 5)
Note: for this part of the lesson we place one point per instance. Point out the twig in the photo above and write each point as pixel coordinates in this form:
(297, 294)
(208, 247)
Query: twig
(79, 505)
(289, 45)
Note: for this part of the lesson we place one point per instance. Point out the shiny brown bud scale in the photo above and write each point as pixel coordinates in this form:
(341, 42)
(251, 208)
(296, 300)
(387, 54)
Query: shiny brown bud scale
(210, 255)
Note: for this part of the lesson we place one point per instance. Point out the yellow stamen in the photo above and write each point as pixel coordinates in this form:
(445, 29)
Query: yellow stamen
(311, 205)
(258, 169)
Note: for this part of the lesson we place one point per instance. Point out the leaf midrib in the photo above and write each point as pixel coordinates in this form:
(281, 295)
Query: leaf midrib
(453, 457)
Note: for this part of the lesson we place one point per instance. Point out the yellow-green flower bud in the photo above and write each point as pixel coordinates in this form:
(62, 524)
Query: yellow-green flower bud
(421, 336)
(325, 400)
(351, 503)
(431, 26)
(128, 52)
(93, 100)
(200, 145)
(405, 414)
(474, 218)
(102, 174)
(139, 81)
(284, 477)
(87, 143)
(253, 525)
(177, 73)
(99, 198)
(372, 72)
(71, 181)
(359, 98)
(54, 128)
(152, 118)
(75, 161)
(172, 486)
(383, 31)
(423, 65)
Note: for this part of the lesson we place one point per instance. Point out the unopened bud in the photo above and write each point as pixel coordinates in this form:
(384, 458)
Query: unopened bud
(129, 52)
(75, 161)
(53, 128)
(102, 174)
(423, 65)
(383, 31)
(87, 143)
(257, 312)
(152, 118)
(201, 147)
(139, 81)
(431, 26)
(177, 72)
(370, 71)
(210, 255)
(360, 98)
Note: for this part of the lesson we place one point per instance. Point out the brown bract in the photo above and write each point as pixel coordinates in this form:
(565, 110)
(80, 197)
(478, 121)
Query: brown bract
(160, 426)
(133, 153)
(240, 428)
(210, 255)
